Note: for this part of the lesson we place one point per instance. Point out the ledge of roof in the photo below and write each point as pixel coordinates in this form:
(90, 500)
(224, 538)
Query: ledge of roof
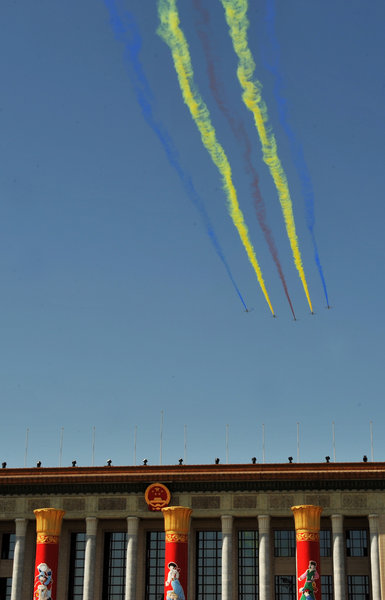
(192, 478)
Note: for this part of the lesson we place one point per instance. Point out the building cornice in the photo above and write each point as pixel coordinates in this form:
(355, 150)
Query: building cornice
(194, 478)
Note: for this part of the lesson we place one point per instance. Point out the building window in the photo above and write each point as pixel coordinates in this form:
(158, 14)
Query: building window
(285, 587)
(325, 542)
(76, 574)
(8, 545)
(208, 573)
(358, 587)
(284, 542)
(5, 588)
(356, 542)
(248, 565)
(114, 572)
(155, 552)
(327, 587)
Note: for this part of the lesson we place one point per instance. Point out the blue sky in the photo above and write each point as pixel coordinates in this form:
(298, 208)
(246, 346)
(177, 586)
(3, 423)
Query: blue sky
(114, 303)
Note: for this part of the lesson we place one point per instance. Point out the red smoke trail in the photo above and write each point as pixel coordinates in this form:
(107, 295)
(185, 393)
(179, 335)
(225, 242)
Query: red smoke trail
(241, 135)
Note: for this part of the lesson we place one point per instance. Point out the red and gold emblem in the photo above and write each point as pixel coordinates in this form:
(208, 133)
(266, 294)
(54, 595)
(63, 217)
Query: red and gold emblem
(157, 496)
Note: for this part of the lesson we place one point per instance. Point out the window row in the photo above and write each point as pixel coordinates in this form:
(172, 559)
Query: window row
(208, 569)
(208, 563)
(356, 542)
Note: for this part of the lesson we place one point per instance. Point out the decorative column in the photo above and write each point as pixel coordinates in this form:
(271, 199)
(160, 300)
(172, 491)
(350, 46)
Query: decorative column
(227, 546)
(338, 557)
(89, 558)
(374, 556)
(131, 560)
(264, 557)
(48, 526)
(18, 559)
(176, 525)
(307, 519)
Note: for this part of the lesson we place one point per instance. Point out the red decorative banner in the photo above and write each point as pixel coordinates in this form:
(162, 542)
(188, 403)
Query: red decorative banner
(48, 525)
(307, 525)
(177, 523)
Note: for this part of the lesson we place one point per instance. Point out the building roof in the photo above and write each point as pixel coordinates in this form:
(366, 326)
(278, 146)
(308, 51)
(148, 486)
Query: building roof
(194, 478)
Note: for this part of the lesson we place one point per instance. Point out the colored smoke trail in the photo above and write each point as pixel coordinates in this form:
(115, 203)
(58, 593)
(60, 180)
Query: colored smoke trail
(295, 146)
(240, 134)
(238, 23)
(127, 31)
(170, 31)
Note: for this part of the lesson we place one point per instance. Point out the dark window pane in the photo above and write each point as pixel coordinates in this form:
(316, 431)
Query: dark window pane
(248, 565)
(5, 588)
(284, 542)
(325, 542)
(114, 572)
(285, 587)
(209, 557)
(155, 552)
(76, 572)
(327, 587)
(356, 542)
(7, 546)
(358, 587)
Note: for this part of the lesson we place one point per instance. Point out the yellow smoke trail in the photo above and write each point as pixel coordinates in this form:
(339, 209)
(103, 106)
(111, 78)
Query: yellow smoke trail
(172, 34)
(238, 23)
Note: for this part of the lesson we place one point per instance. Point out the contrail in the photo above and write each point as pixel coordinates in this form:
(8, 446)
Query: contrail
(240, 133)
(238, 23)
(295, 146)
(128, 33)
(172, 34)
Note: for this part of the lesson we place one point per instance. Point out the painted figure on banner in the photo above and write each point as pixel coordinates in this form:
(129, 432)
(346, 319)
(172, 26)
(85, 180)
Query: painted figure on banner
(177, 592)
(43, 582)
(310, 588)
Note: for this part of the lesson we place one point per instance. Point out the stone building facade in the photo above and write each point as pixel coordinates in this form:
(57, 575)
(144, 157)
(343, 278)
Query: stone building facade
(241, 540)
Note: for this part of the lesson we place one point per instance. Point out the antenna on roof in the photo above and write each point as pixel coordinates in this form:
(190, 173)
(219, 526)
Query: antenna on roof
(26, 447)
(135, 432)
(334, 442)
(297, 442)
(185, 444)
(93, 446)
(227, 444)
(371, 441)
(263, 442)
(161, 437)
(61, 445)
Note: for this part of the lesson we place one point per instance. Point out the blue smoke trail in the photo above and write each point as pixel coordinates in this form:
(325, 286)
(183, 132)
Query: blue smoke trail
(127, 31)
(295, 146)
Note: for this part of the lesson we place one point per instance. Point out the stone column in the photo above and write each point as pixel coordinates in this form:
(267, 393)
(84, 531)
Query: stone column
(89, 558)
(131, 560)
(227, 563)
(176, 525)
(307, 518)
(48, 526)
(374, 556)
(381, 549)
(338, 557)
(18, 559)
(264, 557)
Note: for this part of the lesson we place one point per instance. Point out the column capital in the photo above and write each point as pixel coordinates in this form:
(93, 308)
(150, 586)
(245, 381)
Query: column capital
(307, 517)
(21, 526)
(177, 519)
(373, 523)
(337, 523)
(132, 525)
(264, 523)
(91, 525)
(227, 523)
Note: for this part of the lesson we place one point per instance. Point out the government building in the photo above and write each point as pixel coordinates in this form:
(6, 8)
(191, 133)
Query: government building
(241, 541)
